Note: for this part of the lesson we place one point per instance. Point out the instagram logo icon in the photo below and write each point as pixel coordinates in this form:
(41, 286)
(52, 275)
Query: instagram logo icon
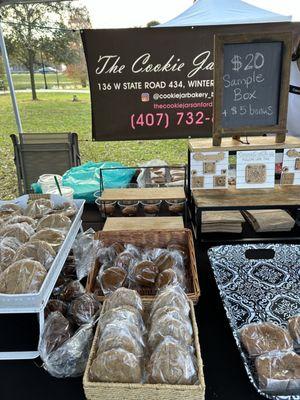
(145, 97)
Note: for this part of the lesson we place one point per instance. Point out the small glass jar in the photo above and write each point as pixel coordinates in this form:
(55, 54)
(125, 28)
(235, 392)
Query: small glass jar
(151, 207)
(128, 208)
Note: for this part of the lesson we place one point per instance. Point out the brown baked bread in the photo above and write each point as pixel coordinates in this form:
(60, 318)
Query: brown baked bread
(124, 297)
(118, 247)
(165, 278)
(164, 260)
(52, 236)
(22, 232)
(37, 250)
(56, 305)
(112, 278)
(279, 372)
(116, 365)
(24, 276)
(57, 330)
(7, 256)
(54, 221)
(39, 208)
(294, 328)
(264, 337)
(179, 329)
(8, 210)
(84, 309)
(172, 363)
(145, 273)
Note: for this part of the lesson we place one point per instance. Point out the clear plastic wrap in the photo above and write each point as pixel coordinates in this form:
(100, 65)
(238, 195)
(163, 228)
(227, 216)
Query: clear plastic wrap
(120, 314)
(84, 309)
(279, 372)
(71, 290)
(52, 236)
(24, 276)
(125, 260)
(124, 297)
(172, 363)
(265, 337)
(125, 336)
(57, 330)
(7, 256)
(37, 250)
(166, 325)
(38, 208)
(68, 209)
(10, 242)
(166, 278)
(106, 255)
(70, 359)
(84, 251)
(173, 312)
(111, 278)
(172, 296)
(22, 232)
(294, 329)
(116, 365)
(8, 210)
(56, 305)
(20, 219)
(54, 221)
(144, 273)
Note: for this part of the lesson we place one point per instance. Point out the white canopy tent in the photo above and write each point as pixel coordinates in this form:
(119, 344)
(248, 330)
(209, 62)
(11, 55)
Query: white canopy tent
(224, 12)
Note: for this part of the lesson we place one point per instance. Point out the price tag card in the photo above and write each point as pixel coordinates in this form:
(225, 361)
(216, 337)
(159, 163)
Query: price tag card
(209, 170)
(255, 169)
(291, 167)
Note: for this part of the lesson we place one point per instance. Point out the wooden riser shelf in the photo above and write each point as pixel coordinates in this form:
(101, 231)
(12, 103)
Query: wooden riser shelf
(165, 193)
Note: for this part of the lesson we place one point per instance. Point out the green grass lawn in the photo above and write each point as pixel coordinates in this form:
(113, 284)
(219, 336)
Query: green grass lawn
(55, 112)
(22, 81)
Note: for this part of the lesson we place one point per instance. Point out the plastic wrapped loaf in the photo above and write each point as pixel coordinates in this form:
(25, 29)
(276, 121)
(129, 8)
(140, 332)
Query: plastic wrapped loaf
(265, 337)
(279, 372)
(69, 360)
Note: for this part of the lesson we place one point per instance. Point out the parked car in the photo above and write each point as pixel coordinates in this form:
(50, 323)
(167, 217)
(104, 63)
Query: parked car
(48, 70)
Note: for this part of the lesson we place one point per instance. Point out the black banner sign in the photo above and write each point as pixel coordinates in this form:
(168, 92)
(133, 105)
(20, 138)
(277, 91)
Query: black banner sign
(150, 83)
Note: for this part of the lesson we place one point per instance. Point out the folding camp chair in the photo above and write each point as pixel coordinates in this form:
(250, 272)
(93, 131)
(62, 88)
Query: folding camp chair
(37, 154)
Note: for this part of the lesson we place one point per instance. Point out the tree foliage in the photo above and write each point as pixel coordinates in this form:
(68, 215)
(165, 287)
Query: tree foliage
(33, 31)
(152, 23)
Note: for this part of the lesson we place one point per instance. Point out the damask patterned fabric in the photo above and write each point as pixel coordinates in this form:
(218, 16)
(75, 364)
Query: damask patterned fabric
(264, 287)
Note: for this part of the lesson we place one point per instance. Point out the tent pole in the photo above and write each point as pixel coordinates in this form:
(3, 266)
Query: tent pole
(10, 81)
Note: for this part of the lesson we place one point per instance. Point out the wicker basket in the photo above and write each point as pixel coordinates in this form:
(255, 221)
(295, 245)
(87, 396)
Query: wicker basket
(152, 238)
(137, 391)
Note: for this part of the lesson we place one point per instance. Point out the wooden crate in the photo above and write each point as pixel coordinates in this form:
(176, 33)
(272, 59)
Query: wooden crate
(151, 239)
(138, 391)
(142, 223)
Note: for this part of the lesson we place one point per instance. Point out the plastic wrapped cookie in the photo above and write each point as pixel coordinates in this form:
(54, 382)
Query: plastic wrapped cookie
(172, 363)
(125, 336)
(52, 236)
(172, 296)
(172, 312)
(7, 256)
(38, 208)
(84, 309)
(20, 219)
(8, 210)
(111, 278)
(10, 242)
(294, 329)
(166, 325)
(56, 305)
(123, 313)
(265, 337)
(54, 221)
(71, 290)
(144, 273)
(37, 250)
(22, 232)
(279, 372)
(116, 365)
(24, 276)
(166, 278)
(124, 297)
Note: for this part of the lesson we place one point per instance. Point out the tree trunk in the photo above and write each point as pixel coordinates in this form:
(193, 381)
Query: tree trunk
(31, 72)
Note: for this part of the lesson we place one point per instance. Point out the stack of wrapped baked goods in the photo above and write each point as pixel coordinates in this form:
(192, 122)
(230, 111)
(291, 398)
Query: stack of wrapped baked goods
(270, 220)
(222, 221)
(29, 241)
(67, 336)
(137, 347)
(273, 349)
(125, 265)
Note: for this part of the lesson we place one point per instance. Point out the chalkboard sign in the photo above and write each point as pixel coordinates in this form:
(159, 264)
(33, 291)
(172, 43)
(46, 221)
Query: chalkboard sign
(251, 84)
